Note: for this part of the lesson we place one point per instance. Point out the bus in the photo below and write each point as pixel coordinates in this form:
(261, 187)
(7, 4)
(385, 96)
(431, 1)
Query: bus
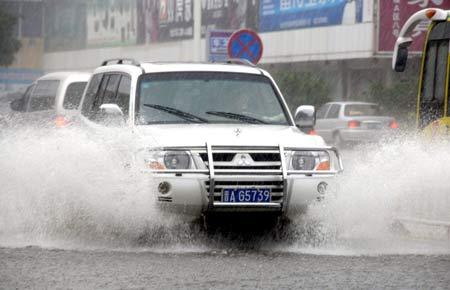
(433, 110)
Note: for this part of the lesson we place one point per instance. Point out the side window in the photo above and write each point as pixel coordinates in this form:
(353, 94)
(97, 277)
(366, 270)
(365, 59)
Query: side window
(73, 95)
(322, 111)
(91, 92)
(123, 94)
(333, 113)
(111, 89)
(100, 94)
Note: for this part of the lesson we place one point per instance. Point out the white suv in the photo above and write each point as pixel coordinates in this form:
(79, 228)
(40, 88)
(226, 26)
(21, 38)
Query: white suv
(220, 137)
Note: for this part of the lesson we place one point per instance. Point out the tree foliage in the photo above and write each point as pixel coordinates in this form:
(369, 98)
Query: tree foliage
(398, 99)
(302, 88)
(9, 44)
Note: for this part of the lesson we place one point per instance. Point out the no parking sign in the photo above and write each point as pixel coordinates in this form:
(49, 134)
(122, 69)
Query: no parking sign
(245, 43)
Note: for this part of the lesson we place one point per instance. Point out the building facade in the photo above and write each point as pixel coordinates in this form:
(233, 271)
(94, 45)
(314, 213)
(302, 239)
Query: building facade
(347, 43)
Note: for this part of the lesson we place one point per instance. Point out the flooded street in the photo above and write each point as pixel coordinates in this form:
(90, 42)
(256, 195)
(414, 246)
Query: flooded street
(66, 227)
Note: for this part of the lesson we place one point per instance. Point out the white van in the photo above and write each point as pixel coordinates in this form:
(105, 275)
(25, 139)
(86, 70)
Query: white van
(54, 97)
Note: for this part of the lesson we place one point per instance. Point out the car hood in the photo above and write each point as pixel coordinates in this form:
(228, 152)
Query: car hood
(226, 135)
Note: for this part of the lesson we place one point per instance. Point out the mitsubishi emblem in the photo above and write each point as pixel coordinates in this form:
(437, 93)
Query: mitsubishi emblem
(243, 160)
(237, 131)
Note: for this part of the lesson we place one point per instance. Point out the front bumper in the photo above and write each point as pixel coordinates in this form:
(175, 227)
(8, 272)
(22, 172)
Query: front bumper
(194, 192)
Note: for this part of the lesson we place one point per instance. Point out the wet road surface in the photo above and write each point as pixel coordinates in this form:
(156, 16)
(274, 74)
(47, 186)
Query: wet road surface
(33, 267)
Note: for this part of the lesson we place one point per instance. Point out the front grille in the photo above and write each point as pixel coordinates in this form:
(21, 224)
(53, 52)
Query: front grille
(248, 167)
(228, 157)
(245, 167)
(218, 157)
(265, 157)
(259, 161)
(275, 186)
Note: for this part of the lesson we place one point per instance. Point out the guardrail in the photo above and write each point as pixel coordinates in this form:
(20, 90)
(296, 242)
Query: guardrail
(435, 223)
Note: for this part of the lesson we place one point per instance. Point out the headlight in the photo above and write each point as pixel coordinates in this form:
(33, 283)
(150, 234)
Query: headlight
(177, 160)
(310, 160)
(161, 160)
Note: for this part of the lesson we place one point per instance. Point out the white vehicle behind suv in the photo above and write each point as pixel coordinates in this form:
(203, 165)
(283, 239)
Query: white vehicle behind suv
(219, 137)
(53, 98)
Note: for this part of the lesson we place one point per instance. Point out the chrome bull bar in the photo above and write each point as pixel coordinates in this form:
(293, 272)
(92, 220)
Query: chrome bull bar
(278, 174)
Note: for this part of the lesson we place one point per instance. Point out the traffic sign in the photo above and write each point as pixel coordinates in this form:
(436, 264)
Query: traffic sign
(245, 43)
(217, 45)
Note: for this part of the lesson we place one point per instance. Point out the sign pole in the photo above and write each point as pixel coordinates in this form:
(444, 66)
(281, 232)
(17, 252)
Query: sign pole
(197, 31)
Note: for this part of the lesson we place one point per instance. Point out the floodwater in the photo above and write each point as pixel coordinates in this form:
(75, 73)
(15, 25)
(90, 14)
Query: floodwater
(72, 217)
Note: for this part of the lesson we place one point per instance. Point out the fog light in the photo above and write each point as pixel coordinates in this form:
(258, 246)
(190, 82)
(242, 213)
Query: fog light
(164, 187)
(322, 188)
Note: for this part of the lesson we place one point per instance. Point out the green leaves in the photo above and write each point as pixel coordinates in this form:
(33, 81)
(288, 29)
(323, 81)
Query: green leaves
(9, 44)
(302, 88)
(397, 99)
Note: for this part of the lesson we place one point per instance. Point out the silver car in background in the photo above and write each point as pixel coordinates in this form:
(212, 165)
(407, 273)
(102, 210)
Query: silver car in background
(343, 123)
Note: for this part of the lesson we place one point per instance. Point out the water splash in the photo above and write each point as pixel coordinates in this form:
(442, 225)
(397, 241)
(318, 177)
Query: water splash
(64, 188)
(406, 177)
(69, 189)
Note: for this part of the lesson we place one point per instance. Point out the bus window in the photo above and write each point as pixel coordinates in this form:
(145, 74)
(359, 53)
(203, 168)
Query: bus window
(433, 83)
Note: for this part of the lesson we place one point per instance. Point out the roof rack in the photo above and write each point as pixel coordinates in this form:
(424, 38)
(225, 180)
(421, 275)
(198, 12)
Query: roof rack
(243, 61)
(120, 61)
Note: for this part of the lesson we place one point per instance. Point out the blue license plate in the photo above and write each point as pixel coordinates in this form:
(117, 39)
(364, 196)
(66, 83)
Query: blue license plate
(246, 195)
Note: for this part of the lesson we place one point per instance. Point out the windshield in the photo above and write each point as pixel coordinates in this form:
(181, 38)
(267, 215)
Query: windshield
(43, 95)
(362, 110)
(208, 97)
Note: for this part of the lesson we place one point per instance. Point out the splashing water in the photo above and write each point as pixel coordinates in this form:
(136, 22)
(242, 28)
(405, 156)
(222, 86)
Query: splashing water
(64, 189)
(67, 189)
(383, 185)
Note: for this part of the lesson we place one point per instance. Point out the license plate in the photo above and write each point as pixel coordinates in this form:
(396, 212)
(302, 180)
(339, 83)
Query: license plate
(246, 195)
(374, 126)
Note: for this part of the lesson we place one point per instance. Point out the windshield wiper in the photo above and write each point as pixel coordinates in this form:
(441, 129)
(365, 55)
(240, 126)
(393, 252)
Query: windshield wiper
(178, 113)
(240, 117)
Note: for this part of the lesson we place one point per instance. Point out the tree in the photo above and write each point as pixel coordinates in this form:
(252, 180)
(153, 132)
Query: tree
(302, 88)
(9, 44)
(398, 99)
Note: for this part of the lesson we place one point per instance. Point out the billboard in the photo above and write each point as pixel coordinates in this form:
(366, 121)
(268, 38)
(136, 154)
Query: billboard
(229, 15)
(175, 19)
(277, 15)
(111, 23)
(394, 13)
(164, 20)
(147, 21)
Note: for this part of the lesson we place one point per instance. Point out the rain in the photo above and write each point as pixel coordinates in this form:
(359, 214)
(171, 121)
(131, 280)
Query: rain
(262, 144)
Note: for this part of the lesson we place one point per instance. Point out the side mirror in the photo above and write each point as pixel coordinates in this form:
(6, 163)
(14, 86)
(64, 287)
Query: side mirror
(111, 115)
(305, 117)
(401, 57)
(17, 105)
(111, 110)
